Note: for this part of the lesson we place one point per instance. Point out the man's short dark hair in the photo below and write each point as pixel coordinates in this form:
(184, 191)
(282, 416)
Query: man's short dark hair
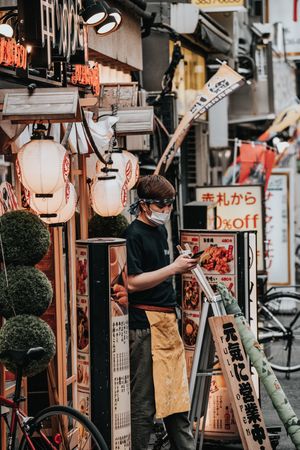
(155, 187)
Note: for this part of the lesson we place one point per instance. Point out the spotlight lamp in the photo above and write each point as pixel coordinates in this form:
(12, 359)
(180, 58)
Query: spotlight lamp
(111, 23)
(94, 12)
(6, 29)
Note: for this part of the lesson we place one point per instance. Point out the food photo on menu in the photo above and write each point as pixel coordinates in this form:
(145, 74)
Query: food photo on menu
(118, 276)
(217, 259)
(191, 295)
(189, 329)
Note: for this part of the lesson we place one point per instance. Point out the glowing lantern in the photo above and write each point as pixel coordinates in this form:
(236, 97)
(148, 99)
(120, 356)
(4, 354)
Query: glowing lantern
(49, 205)
(65, 213)
(108, 196)
(125, 163)
(42, 164)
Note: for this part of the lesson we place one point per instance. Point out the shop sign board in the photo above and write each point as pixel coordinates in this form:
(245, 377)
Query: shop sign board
(55, 28)
(220, 5)
(12, 54)
(239, 208)
(103, 379)
(280, 228)
(235, 369)
(87, 76)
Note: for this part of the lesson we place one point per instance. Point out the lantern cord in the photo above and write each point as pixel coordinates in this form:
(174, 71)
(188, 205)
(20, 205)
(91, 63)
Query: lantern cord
(67, 134)
(90, 137)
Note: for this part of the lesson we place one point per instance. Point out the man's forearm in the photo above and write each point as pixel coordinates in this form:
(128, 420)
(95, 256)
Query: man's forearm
(148, 280)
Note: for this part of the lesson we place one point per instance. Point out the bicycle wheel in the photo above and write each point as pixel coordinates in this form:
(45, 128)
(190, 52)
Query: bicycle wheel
(279, 330)
(63, 428)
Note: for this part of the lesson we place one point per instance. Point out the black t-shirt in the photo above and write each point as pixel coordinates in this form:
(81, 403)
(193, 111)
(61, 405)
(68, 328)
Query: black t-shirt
(147, 250)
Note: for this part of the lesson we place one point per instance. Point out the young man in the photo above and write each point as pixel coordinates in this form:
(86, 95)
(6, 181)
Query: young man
(159, 384)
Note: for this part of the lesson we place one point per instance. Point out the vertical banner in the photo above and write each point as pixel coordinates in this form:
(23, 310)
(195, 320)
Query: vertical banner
(239, 208)
(280, 228)
(83, 333)
(221, 84)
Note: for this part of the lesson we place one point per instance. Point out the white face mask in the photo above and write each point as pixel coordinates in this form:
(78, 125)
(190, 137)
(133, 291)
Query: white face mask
(158, 218)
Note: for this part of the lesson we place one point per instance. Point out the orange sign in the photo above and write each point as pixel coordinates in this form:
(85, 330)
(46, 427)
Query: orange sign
(12, 54)
(87, 76)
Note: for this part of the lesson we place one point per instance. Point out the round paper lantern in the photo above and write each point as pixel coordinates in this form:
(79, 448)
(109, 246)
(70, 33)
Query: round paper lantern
(49, 205)
(108, 196)
(43, 166)
(135, 173)
(65, 213)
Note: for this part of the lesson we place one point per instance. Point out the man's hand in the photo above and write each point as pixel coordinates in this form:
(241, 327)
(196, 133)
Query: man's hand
(184, 263)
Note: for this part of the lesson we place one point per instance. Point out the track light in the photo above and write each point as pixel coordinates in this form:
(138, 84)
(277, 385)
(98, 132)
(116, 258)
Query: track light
(94, 12)
(111, 23)
(6, 29)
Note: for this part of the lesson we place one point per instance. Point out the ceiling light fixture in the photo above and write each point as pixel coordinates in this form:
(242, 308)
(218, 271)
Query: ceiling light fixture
(94, 12)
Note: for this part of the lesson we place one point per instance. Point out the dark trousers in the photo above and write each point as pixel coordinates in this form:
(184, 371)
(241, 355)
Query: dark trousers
(143, 400)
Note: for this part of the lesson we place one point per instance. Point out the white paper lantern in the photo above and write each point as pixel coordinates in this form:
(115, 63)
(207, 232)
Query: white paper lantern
(49, 205)
(135, 173)
(108, 196)
(65, 213)
(43, 166)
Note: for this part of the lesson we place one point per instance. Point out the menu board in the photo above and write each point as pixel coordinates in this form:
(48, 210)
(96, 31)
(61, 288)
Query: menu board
(103, 377)
(119, 361)
(218, 261)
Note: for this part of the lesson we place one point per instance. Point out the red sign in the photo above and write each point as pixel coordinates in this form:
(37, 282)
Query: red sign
(12, 54)
(87, 76)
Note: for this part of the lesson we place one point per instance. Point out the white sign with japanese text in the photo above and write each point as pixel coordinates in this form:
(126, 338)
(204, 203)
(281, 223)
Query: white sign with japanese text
(280, 228)
(235, 369)
(239, 208)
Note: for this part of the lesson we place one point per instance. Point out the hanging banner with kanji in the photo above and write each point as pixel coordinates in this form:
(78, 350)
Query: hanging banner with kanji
(221, 84)
(236, 371)
(239, 208)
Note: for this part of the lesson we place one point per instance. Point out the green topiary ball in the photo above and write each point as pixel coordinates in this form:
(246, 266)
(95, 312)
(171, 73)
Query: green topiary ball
(107, 226)
(28, 292)
(25, 332)
(25, 238)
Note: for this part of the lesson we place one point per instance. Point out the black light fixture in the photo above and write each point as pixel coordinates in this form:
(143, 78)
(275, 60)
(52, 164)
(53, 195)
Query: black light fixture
(94, 12)
(112, 21)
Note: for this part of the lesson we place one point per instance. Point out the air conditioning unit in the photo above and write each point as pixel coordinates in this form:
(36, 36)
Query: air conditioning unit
(135, 120)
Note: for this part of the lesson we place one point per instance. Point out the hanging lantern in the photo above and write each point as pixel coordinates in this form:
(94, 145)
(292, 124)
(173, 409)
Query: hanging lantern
(49, 205)
(135, 173)
(108, 195)
(65, 213)
(42, 164)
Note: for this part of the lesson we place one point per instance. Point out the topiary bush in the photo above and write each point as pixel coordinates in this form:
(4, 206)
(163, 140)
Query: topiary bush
(107, 226)
(25, 332)
(25, 237)
(29, 291)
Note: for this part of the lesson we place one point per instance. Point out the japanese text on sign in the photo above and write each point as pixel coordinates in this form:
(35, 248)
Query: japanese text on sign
(236, 371)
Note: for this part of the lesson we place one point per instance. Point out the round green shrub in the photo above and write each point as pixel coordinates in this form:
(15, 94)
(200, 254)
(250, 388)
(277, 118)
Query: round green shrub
(25, 237)
(107, 226)
(25, 332)
(28, 292)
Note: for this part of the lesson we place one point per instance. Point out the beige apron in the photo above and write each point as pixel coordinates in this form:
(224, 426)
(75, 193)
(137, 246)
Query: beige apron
(169, 367)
